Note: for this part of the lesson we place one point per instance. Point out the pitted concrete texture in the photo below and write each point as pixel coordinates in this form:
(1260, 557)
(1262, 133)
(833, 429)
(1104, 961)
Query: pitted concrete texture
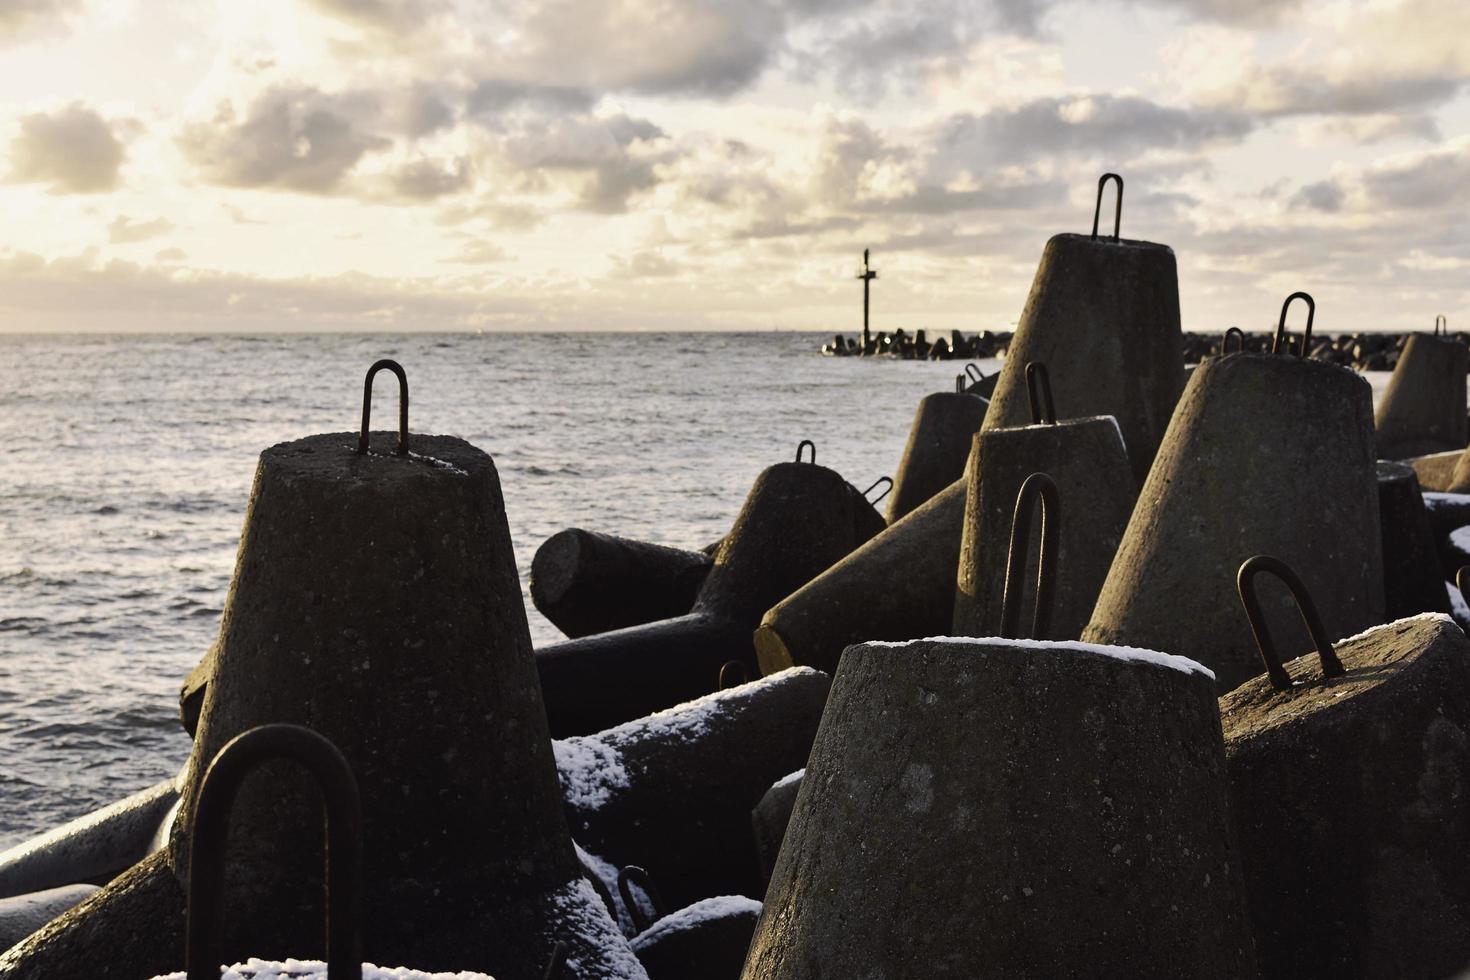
(585, 582)
(1096, 491)
(945, 424)
(94, 848)
(21, 915)
(770, 818)
(898, 586)
(1267, 454)
(686, 780)
(1423, 409)
(985, 809)
(1103, 316)
(1413, 581)
(1348, 796)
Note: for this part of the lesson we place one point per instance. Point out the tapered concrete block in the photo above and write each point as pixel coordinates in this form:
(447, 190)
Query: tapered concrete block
(798, 520)
(1103, 315)
(707, 940)
(996, 808)
(770, 818)
(1423, 409)
(1436, 471)
(1086, 460)
(1266, 454)
(939, 442)
(898, 586)
(22, 915)
(672, 792)
(1413, 581)
(585, 582)
(94, 848)
(1347, 794)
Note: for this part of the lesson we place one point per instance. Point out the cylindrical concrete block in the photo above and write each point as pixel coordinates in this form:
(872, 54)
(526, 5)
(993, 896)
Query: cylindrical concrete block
(22, 915)
(1413, 581)
(1347, 795)
(705, 941)
(1267, 454)
(1103, 315)
(1096, 488)
(672, 793)
(939, 441)
(798, 519)
(585, 582)
(898, 586)
(1423, 409)
(95, 848)
(979, 808)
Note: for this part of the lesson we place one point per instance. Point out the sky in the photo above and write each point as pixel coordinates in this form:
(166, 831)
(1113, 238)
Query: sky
(710, 164)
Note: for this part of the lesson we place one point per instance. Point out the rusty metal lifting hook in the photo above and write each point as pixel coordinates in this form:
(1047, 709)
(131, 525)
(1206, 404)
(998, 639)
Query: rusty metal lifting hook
(634, 875)
(1037, 485)
(882, 479)
(1239, 336)
(1245, 584)
(1038, 389)
(1279, 346)
(804, 445)
(367, 406)
(1118, 210)
(342, 816)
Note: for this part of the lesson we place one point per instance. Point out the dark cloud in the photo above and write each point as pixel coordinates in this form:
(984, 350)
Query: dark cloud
(424, 180)
(295, 139)
(74, 150)
(1433, 180)
(492, 97)
(1324, 195)
(123, 230)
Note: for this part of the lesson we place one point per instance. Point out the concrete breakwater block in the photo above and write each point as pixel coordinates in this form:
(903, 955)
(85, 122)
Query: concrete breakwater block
(770, 818)
(984, 808)
(673, 792)
(1228, 484)
(1103, 315)
(1096, 488)
(1348, 799)
(897, 586)
(585, 582)
(798, 520)
(376, 601)
(1423, 408)
(94, 848)
(258, 969)
(1436, 471)
(705, 941)
(945, 423)
(22, 915)
(1413, 581)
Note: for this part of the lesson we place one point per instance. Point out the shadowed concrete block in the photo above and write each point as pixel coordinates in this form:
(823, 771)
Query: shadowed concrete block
(770, 817)
(939, 442)
(1103, 315)
(672, 792)
(376, 601)
(705, 941)
(1436, 471)
(898, 586)
(585, 582)
(1423, 409)
(1096, 491)
(997, 808)
(1267, 454)
(21, 915)
(1413, 581)
(1347, 794)
(94, 848)
(798, 520)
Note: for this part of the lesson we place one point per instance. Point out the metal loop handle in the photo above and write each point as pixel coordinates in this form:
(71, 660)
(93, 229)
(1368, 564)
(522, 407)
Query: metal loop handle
(732, 674)
(1441, 326)
(804, 445)
(959, 384)
(1118, 210)
(1037, 485)
(1276, 347)
(1245, 584)
(973, 370)
(1038, 388)
(1462, 582)
(367, 405)
(342, 816)
(557, 961)
(882, 479)
(634, 875)
(1239, 336)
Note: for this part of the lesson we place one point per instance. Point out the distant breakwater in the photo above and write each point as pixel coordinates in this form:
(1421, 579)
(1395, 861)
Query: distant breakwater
(1360, 351)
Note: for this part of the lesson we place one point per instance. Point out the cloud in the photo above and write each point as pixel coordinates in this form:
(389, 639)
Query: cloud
(1324, 195)
(74, 150)
(297, 139)
(124, 230)
(24, 19)
(424, 179)
(379, 15)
